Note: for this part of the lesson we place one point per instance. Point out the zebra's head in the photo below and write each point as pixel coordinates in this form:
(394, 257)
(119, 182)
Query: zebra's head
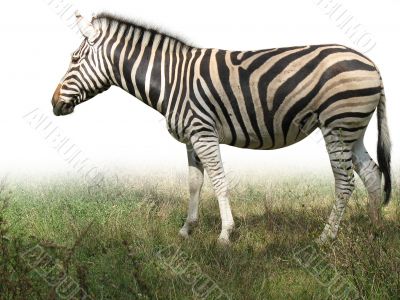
(85, 77)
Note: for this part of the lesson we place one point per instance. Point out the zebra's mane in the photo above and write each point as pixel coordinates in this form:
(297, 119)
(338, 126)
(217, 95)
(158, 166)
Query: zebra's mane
(105, 18)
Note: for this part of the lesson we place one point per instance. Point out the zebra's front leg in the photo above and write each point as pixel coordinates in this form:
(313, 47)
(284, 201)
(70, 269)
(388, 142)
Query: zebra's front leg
(207, 149)
(196, 179)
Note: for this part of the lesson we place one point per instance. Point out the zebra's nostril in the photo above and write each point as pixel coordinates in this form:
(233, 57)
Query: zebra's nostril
(62, 108)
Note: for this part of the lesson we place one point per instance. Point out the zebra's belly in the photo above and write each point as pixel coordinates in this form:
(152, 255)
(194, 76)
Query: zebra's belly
(255, 140)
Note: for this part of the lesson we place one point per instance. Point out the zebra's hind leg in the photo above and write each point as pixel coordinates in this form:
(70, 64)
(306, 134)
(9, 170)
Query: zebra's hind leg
(370, 174)
(206, 146)
(196, 179)
(340, 155)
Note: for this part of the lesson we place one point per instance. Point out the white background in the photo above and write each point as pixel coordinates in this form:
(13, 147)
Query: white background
(116, 130)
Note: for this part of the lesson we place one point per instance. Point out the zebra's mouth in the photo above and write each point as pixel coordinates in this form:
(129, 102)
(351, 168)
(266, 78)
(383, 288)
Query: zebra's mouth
(63, 108)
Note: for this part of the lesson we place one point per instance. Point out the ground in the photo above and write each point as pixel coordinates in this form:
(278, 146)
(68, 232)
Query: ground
(63, 239)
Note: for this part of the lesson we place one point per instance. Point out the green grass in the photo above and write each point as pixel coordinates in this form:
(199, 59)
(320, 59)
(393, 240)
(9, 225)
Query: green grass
(115, 241)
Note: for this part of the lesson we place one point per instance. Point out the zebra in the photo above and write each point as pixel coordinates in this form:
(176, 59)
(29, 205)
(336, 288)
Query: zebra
(264, 99)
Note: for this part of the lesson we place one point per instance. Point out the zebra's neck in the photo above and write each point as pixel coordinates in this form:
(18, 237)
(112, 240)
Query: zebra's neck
(147, 64)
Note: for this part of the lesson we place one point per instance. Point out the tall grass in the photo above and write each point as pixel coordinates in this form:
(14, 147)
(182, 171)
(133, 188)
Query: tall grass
(107, 239)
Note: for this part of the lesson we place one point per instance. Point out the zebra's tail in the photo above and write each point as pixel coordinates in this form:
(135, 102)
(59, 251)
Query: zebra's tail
(384, 147)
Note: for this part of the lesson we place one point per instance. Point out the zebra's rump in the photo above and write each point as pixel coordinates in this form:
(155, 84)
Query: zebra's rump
(273, 98)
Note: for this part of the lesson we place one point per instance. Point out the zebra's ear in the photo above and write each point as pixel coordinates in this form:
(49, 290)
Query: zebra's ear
(87, 29)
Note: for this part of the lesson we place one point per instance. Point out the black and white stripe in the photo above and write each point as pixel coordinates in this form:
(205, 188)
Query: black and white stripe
(266, 99)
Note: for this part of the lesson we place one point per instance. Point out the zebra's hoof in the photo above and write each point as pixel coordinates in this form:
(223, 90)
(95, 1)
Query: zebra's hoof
(223, 242)
(324, 239)
(184, 233)
(321, 240)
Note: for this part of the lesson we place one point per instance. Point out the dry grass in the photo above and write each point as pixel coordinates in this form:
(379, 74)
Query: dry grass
(108, 239)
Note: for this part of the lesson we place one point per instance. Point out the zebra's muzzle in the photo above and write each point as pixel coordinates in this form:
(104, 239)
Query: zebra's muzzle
(62, 108)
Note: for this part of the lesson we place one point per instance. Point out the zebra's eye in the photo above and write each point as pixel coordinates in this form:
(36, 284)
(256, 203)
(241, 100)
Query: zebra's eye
(74, 57)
